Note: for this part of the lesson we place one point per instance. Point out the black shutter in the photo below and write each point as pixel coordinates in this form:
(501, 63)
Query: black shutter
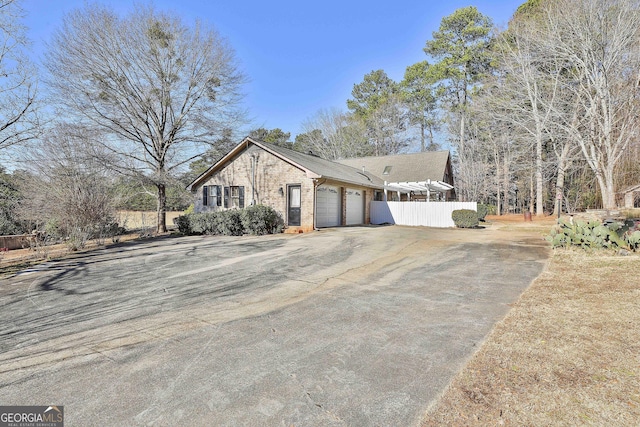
(219, 195)
(205, 194)
(241, 196)
(226, 197)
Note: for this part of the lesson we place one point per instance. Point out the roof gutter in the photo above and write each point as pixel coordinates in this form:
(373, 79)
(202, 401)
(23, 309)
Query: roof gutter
(360, 184)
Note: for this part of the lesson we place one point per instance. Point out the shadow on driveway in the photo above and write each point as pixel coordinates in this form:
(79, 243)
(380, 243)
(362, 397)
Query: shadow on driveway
(354, 326)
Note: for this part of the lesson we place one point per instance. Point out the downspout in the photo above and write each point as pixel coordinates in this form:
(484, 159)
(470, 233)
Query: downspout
(253, 180)
(254, 167)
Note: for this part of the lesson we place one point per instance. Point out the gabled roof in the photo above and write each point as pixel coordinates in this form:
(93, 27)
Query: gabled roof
(314, 167)
(404, 167)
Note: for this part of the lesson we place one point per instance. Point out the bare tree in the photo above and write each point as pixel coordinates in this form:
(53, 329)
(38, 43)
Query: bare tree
(529, 95)
(158, 89)
(333, 134)
(599, 38)
(18, 120)
(67, 190)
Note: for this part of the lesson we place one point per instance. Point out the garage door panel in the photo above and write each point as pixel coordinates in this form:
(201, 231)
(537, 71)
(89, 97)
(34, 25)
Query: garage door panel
(355, 206)
(327, 206)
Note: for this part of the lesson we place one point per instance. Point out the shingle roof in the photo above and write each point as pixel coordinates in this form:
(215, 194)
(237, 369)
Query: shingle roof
(404, 167)
(327, 168)
(311, 164)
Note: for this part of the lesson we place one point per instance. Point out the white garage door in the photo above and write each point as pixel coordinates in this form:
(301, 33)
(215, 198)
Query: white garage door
(327, 206)
(355, 206)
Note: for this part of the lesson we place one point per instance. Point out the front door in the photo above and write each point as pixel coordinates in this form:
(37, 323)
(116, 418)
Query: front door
(293, 202)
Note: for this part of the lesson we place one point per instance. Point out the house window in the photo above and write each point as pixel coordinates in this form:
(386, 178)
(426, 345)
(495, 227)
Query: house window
(234, 197)
(387, 170)
(378, 196)
(214, 195)
(211, 195)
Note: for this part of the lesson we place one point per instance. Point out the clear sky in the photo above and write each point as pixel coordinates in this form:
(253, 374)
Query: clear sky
(300, 56)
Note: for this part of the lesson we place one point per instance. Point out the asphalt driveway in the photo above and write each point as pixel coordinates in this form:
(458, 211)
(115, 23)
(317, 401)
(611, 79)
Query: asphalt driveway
(351, 326)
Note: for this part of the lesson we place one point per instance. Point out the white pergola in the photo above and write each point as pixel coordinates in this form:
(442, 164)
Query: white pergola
(421, 187)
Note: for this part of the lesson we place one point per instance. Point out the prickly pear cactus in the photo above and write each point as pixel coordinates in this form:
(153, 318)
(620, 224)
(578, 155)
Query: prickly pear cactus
(633, 239)
(593, 235)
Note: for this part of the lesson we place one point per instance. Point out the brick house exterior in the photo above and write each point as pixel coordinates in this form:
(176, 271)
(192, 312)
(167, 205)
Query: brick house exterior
(255, 172)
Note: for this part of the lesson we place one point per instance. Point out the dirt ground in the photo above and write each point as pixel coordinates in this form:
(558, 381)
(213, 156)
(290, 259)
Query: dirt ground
(138, 224)
(565, 354)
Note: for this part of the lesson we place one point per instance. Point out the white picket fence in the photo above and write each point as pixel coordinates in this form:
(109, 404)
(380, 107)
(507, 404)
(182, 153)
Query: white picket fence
(428, 214)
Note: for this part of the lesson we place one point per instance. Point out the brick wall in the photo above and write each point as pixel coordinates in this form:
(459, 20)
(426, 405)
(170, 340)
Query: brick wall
(272, 178)
(272, 175)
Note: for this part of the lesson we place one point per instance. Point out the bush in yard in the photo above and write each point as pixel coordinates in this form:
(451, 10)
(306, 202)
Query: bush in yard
(183, 222)
(198, 223)
(210, 222)
(260, 219)
(229, 223)
(465, 218)
(483, 210)
(256, 219)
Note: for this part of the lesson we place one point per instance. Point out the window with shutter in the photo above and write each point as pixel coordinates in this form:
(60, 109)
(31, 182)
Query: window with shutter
(205, 194)
(214, 195)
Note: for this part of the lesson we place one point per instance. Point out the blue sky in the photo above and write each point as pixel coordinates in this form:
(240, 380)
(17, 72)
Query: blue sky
(300, 57)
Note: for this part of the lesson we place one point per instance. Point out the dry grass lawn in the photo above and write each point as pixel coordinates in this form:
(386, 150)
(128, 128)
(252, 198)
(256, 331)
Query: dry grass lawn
(567, 353)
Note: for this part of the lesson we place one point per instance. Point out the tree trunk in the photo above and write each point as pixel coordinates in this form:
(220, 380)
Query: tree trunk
(498, 186)
(557, 207)
(506, 181)
(539, 182)
(162, 208)
(423, 147)
(431, 144)
(562, 165)
(608, 192)
(461, 154)
(531, 196)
